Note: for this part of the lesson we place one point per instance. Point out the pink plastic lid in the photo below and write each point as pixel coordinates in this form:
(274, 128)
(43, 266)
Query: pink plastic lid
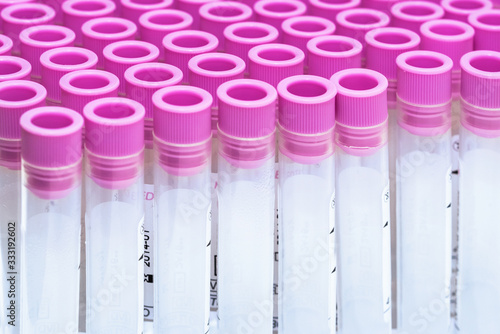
(14, 68)
(424, 92)
(59, 61)
(461, 9)
(332, 53)
(37, 39)
(17, 97)
(102, 31)
(330, 8)
(486, 24)
(21, 16)
(155, 24)
(133, 9)
(241, 37)
(274, 12)
(80, 87)
(381, 5)
(77, 12)
(5, 45)
(216, 16)
(274, 62)
(192, 7)
(119, 56)
(180, 46)
(411, 14)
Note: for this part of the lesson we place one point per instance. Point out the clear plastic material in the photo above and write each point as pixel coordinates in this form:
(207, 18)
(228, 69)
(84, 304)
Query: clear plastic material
(363, 243)
(424, 232)
(306, 256)
(50, 262)
(246, 247)
(479, 274)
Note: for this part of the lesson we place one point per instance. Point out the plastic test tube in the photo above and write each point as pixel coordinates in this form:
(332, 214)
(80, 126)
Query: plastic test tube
(16, 97)
(5, 45)
(114, 145)
(192, 7)
(14, 68)
(424, 192)
(479, 276)
(133, 9)
(183, 209)
(329, 9)
(306, 198)
(461, 9)
(486, 24)
(362, 197)
(51, 219)
(274, 12)
(411, 14)
(246, 194)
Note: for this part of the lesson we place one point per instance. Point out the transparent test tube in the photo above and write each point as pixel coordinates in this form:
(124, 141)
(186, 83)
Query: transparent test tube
(114, 146)
(363, 209)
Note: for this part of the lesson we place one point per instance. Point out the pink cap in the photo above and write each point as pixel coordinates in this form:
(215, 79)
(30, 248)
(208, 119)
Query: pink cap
(14, 68)
(216, 16)
(5, 45)
(180, 46)
(155, 24)
(21, 16)
(80, 87)
(329, 9)
(461, 9)
(59, 61)
(486, 24)
(272, 63)
(102, 31)
(330, 54)
(381, 5)
(241, 37)
(36, 40)
(480, 92)
(77, 12)
(119, 56)
(357, 22)
(192, 7)
(411, 14)
(297, 31)
(133, 9)
(424, 92)
(274, 12)
(361, 110)
(17, 97)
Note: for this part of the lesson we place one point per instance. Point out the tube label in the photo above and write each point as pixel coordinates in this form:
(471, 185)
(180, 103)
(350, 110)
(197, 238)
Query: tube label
(149, 195)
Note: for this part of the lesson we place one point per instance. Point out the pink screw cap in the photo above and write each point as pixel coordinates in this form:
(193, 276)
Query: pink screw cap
(383, 46)
(192, 7)
(381, 5)
(133, 9)
(5, 45)
(155, 24)
(5, 3)
(450, 37)
(52, 151)
(77, 12)
(80, 87)
(241, 37)
(59, 61)
(14, 68)
(216, 16)
(272, 63)
(306, 118)
(119, 56)
(424, 92)
(38, 39)
(480, 92)
(411, 14)
(330, 8)
(21, 16)
(180, 46)
(461, 9)
(361, 110)
(274, 12)
(330, 54)
(102, 31)
(486, 24)
(182, 129)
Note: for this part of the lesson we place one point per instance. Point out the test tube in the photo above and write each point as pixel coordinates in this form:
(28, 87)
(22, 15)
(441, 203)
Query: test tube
(424, 192)
(362, 197)
(114, 145)
(246, 194)
(479, 274)
(51, 219)
(486, 24)
(183, 209)
(306, 197)
(16, 97)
